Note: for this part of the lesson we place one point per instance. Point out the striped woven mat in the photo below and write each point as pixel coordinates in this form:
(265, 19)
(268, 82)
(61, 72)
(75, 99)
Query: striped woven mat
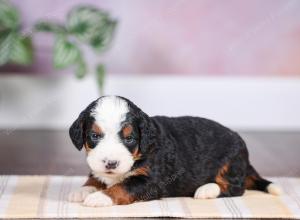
(45, 197)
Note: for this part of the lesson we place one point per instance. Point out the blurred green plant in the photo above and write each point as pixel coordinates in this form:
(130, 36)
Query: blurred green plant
(15, 47)
(84, 26)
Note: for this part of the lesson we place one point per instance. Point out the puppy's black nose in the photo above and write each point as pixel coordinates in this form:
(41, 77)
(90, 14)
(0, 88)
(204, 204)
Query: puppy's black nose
(112, 164)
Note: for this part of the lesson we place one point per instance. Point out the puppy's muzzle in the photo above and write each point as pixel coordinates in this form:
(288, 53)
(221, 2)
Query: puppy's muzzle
(111, 164)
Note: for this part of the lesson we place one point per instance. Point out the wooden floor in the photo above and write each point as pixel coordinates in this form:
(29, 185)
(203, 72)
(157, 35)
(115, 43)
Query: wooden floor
(51, 152)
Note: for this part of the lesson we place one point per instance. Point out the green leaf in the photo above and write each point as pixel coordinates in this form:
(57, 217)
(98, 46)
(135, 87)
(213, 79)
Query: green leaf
(65, 54)
(100, 74)
(6, 42)
(22, 51)
(86, 22)
(14, 47)
(9, 16)
(102, 41)
(45, 26)
(81, 69)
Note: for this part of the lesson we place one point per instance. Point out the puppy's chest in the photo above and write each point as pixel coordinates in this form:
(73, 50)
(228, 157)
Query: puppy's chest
(110, 181)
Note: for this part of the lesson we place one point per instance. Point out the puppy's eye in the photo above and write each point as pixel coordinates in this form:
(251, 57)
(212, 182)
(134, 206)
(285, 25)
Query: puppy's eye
(95, 136)
(129, 140)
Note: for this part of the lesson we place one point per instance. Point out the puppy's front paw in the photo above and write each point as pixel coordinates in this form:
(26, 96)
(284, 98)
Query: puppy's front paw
(98, 199)
(80, 194)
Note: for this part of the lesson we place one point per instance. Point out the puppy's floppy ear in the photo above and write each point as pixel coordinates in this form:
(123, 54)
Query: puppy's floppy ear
(76, 131)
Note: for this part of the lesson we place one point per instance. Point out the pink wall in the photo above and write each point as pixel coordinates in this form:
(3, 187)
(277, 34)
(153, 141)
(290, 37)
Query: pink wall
(213, 37)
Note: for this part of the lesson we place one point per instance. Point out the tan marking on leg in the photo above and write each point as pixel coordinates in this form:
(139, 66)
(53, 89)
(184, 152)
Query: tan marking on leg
(119, 195)
(250, 181)
(221, 180)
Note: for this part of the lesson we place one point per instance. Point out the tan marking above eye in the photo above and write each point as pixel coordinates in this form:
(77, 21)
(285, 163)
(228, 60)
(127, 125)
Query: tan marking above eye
(127, 130)
(96, 128)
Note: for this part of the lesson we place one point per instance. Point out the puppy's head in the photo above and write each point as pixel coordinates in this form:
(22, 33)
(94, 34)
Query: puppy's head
(115, 134)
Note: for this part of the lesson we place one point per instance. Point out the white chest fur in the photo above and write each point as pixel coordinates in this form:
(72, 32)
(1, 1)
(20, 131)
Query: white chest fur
(112, 180)
(109, 181)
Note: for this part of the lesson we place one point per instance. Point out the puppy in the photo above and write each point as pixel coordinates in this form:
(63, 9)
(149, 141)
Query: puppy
(134, 157)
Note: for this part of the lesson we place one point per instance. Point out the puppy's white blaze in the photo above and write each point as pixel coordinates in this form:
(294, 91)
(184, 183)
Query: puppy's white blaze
(110, 111)
(109, 114)
(274, 189)
(207, 191)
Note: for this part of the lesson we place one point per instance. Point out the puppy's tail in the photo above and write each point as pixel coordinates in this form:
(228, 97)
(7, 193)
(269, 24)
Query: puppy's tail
(256, 182)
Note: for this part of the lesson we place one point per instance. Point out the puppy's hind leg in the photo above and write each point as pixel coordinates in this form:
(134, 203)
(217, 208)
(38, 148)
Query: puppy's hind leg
(231, 177)
(208, 191)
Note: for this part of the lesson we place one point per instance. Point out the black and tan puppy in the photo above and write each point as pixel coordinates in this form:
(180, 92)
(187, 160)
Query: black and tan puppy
(134, 157)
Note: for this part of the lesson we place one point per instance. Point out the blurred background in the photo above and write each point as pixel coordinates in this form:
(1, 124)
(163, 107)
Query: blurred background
(237, 62)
